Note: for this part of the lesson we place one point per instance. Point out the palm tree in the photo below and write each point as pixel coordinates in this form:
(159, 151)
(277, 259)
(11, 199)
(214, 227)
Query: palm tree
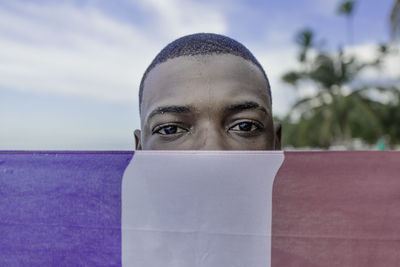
(337, 112)
(395, 19)
(346, 8)
(305, 39)
(391, 117)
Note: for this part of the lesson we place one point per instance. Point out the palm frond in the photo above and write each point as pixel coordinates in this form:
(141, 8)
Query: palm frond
(395, 20)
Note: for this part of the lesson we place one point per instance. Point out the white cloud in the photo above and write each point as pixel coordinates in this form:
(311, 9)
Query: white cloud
(326, 8)
(368, 52)
(66, 50)
(276, 63)
(176, 18)
(63, 49)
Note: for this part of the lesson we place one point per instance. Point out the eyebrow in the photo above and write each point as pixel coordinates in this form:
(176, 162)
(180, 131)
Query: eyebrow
(245, 106)
(170, 109)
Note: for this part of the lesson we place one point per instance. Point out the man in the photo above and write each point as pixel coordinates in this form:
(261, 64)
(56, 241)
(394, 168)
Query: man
(206, 92)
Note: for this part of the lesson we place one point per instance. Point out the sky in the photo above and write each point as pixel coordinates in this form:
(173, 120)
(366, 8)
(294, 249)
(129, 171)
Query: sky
(70, 69)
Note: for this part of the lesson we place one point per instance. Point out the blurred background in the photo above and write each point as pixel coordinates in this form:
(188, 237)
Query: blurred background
(70, 69)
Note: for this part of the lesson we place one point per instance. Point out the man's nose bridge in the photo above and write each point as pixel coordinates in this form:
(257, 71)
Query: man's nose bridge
(211, 138)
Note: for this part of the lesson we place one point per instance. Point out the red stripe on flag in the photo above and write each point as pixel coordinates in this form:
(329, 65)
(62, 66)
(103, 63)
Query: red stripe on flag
(337, 209)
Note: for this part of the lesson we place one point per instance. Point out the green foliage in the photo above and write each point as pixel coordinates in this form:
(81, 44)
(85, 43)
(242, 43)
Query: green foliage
(390, 118)
(326, 124)
(346, 8)
(292, 77)
(340, 109)
(305, 39)
(395, 19)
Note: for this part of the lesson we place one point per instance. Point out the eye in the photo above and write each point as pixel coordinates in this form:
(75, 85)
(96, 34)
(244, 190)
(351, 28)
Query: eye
(246, 126)
(169, 130)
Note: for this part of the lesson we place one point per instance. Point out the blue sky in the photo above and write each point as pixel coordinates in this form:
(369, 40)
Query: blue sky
(70, 70)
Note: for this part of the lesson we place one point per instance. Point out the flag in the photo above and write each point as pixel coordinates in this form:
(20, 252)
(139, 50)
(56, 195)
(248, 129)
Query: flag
(194, 208)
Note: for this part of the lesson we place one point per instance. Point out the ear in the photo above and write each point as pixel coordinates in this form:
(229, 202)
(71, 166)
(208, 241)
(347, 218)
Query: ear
(138, 140)
(278, 136)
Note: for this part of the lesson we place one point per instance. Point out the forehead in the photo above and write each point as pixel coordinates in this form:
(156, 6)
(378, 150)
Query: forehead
(206, 80)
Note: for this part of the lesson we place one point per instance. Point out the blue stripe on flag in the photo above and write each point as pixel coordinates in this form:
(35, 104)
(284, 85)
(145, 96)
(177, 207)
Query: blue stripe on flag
(61, 209)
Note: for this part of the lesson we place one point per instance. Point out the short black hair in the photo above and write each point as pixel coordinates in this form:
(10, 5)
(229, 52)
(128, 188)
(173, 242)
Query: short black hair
(201, 44)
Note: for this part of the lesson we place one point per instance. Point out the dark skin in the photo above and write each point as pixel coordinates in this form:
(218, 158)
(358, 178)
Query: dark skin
(207, 102)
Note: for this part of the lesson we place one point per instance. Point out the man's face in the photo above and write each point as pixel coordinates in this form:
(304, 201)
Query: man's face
(213, 102)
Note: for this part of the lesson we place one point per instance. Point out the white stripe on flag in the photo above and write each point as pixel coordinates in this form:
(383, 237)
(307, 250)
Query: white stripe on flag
(206, 209)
